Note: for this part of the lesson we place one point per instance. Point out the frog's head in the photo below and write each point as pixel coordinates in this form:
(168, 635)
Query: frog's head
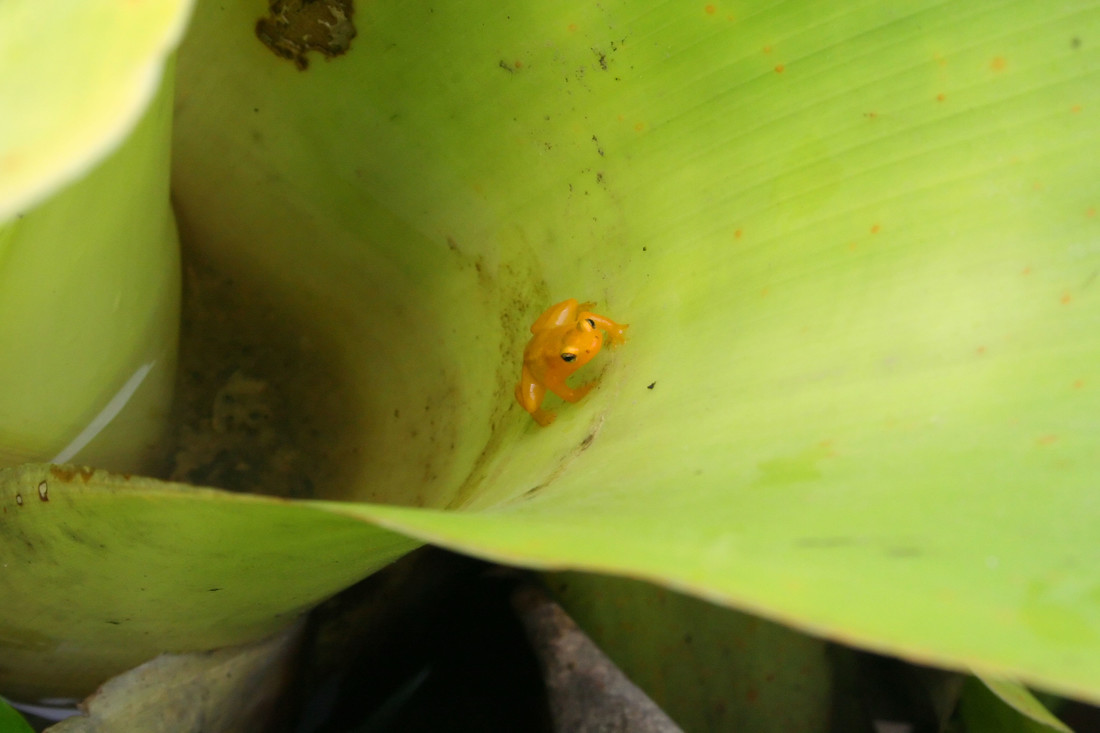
(581, 344)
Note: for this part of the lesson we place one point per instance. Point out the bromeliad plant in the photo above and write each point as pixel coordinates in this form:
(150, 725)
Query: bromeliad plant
(857, 245)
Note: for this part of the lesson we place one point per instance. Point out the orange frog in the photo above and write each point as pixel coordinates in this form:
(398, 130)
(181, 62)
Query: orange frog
(566, 337)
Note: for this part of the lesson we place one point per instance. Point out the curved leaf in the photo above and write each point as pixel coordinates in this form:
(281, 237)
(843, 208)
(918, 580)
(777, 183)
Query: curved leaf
(1020, 699)
(853, 245)
(1004, 707)
(103, 572)
(708, 667)
(89, 311)
(11, 721)
(77, 79)
(854, 248)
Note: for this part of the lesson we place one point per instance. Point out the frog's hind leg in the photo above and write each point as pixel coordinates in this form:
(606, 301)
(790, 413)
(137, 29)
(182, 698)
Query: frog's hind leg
(530, 394)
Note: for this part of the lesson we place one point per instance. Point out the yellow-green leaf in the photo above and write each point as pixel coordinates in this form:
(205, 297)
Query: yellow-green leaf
(853, 244)
(103, 572)
(76, 79)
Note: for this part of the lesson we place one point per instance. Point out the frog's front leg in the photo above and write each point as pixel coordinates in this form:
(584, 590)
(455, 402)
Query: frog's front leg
(567, 393)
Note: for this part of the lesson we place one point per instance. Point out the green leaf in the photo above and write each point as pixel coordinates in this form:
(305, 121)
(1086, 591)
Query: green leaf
(89, 257)
(997, 706)
(77, 79)
(708, 667)
(89, 311)
(853, 245)
(1020, 699)
(11, 721)
(103, 572)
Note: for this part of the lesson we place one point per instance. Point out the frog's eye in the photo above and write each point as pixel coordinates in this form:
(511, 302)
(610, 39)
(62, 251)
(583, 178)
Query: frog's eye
(591, 323)
(568, 357)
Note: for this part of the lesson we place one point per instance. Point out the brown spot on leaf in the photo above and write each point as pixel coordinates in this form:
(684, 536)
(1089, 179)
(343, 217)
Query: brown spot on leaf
(66, 474)
(295, 27)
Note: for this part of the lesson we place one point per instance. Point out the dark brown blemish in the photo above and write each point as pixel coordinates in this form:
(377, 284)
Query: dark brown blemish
(43, 491)
(535, 489)
(295, 27)
(651, 385)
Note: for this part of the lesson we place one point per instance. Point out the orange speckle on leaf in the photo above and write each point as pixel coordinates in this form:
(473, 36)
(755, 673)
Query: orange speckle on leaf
(639, 126)
(764, 291)
(851, 246)
(1075, 109)
(1078, 383)
(11, 162)
(875, 229)
(572, 27)
(518, 64)
(998, 63)
(737, 234)
(940, 97)
(1026, 270)
(779, 68)
(980, 351)
(710, 10)
(1066, 299)
(1091, 213)
(1047, 440)
(767, 49)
